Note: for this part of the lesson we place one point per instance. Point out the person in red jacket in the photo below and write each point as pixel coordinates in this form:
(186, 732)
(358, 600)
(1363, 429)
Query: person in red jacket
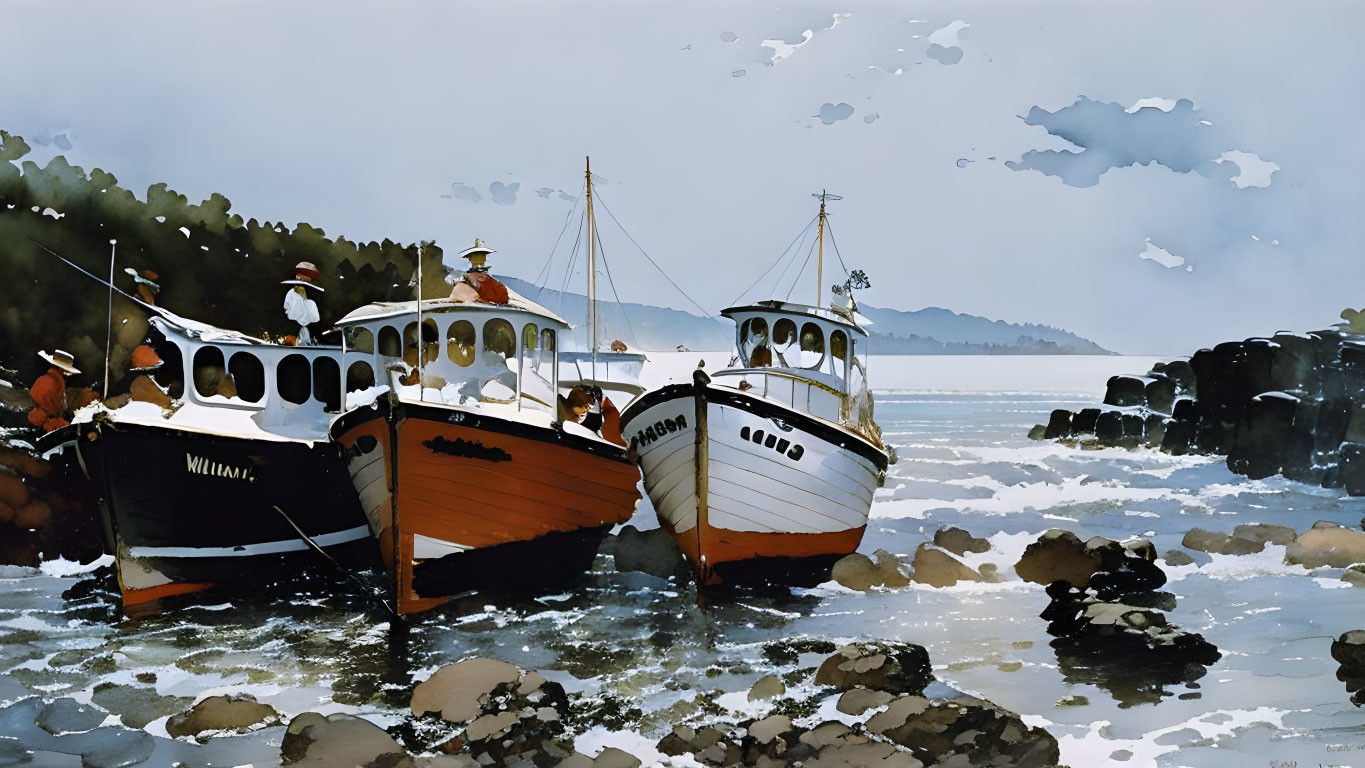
(49, 392)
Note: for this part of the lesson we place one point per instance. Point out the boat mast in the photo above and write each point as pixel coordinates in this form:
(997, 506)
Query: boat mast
(592, 268)
(421, 348)
(820, 260)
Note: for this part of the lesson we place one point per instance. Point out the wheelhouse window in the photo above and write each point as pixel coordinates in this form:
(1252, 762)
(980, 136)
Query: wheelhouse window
(359, 376)
(208, 370)
(248, 374)
(753, 344)
(390, 345)
(326, 383)
(293, 380)
(784, 341)
(431, 341)
(499, 348)
(838, 353)
(812, 346)
(530, 346)
(460, 343)
(359, 339)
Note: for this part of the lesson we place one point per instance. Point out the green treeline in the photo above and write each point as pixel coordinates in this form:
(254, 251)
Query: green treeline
(226, 271)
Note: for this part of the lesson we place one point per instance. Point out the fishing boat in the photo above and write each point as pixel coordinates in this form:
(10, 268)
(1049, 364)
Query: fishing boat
(765, 471)
(228, 486)
(466, 473)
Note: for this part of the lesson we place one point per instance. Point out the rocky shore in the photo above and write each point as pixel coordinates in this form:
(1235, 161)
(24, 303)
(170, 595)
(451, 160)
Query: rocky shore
(1291, 404)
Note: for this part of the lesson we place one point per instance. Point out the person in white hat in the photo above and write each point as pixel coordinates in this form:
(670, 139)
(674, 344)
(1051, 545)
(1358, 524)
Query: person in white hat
(297, 306)
(49, 391)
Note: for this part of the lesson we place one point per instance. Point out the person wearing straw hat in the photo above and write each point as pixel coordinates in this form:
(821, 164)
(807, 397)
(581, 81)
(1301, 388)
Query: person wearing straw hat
(297, 306)
(49, 391)
(144, 388)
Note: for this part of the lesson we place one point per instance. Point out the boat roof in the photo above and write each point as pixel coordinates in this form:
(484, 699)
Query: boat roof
(169, 322)
(772, 306)
(383, 309)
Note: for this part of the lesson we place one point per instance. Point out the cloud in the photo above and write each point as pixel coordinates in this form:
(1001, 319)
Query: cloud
(1111, 136)
(1153, 102)
(943, 43)
(948, 56)
(833, 113)
(463, 192)
(503, 194)
(728, 37)
(1163, 257)
(60, 139)
(545, 192)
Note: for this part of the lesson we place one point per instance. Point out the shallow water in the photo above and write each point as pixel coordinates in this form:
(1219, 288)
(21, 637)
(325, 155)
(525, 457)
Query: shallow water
(643, 656)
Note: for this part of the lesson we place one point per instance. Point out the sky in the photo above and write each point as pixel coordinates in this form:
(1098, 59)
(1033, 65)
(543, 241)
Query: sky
(1155, 176)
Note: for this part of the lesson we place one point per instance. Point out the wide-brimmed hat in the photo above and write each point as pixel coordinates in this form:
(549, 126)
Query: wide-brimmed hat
(304, 274)
(61, 359)
(478, 256)
(147, 277)
(145, 359)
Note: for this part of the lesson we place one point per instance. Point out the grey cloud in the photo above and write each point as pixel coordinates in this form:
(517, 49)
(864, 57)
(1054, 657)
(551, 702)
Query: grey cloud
(464, 192)
(833, 113)
(545, 192)
(503, 194)
(728, 37)
(948, 56)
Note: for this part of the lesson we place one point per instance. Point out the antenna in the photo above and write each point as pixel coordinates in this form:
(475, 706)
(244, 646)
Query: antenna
(109, 332)
(592, 268)
(820, 263)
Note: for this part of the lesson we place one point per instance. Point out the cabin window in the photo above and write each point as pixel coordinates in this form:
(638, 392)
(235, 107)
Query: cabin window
(292, 379)
(208, 371)
(530, 346)
(547, 340)
(812, 345)
(784, 340)
(327, 383)
(359, 376)
(248, 374)
(499, 337)
(838, 353)
(460, 343)
(754, 342)
(359, 339)
(389, 343)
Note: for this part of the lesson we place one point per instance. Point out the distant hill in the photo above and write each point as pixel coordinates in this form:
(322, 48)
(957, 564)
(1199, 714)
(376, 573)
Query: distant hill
(930, 331)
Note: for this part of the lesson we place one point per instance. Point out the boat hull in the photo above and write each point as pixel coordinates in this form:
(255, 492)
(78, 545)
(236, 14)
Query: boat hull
(751, 490)
(186, 511)
(462, 500)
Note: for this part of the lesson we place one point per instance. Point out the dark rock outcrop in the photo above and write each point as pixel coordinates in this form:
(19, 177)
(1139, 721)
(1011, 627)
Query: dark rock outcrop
(653, 552)
(887, 666)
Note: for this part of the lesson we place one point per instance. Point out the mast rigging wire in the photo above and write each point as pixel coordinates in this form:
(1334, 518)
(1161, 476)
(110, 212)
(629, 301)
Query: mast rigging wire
(799, 236)
(777, 284)
(612, 283)
(801, 271)
(598, 195)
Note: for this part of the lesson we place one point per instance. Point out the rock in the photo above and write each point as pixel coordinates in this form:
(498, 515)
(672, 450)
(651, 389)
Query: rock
(1351, 468)
(959, 542)
(611, 757)
(653, 552)
(1133, 425)
(1109, 427)
(1355, 576)
(136, 705)
(990, 573)
(115, 748)
(767, 687)
(1327, 546)
(1125, 391)
(1175, 558)
(858, 700)
(315, 741)
(856, 571)
(69, 716)
(886, 666)
(1058, 555)
(1125, 568)
(1349, 652)
(964, 731)
(1159, 395)
(1180, 372)
(770, 728)
(939, 569)
(1282, 535)
(1058, 425)
(457, 692)
(237, 712)
(1083, 423)
(13, 492)
(1038, 432)
(1260, 442)
(1216, 543)
(1154, 430)
(889, 570)
(1179, 436)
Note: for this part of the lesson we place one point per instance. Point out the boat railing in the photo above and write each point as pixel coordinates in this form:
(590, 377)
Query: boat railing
(805, 393)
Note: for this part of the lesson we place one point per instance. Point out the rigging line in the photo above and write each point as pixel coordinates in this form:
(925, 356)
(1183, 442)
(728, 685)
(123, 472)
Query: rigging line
(802, 271)
(612, 283)
(836, 246)
(573, 259)
(647, 258)
(149, 307)
(778, 260)
(777, 284)
(544, 273)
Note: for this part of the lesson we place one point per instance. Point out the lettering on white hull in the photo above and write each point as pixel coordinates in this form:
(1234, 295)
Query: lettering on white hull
(199, 465)
(657, 430)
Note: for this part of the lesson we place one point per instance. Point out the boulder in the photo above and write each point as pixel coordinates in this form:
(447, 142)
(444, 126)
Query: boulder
(1058, 555)
(1282, 535)
(1178, 437)
(1133, 425)
(959, 542)
(1038, 432)
(1083, 423)
(1109, 427)
(1058, 425)
(611, 757)
(1259, 446)
(1355, 576)
(858, 700)
(770, 728)
(653, 552)
(1216, 543)
(937, 568)
(1351, 468)
(1125, 391)
(1327, 546)
(1176, 558)
(856, 571)
(767, 687)
(69, 716)
(315, 741)
(1160, 395)
(964, 731)
(458, 692)
(1126, 567)
(1180, 372)
(886, 666)
(889, 570)
(1349, 652)
(1154, 430)
(137, 705)
(239, 713)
